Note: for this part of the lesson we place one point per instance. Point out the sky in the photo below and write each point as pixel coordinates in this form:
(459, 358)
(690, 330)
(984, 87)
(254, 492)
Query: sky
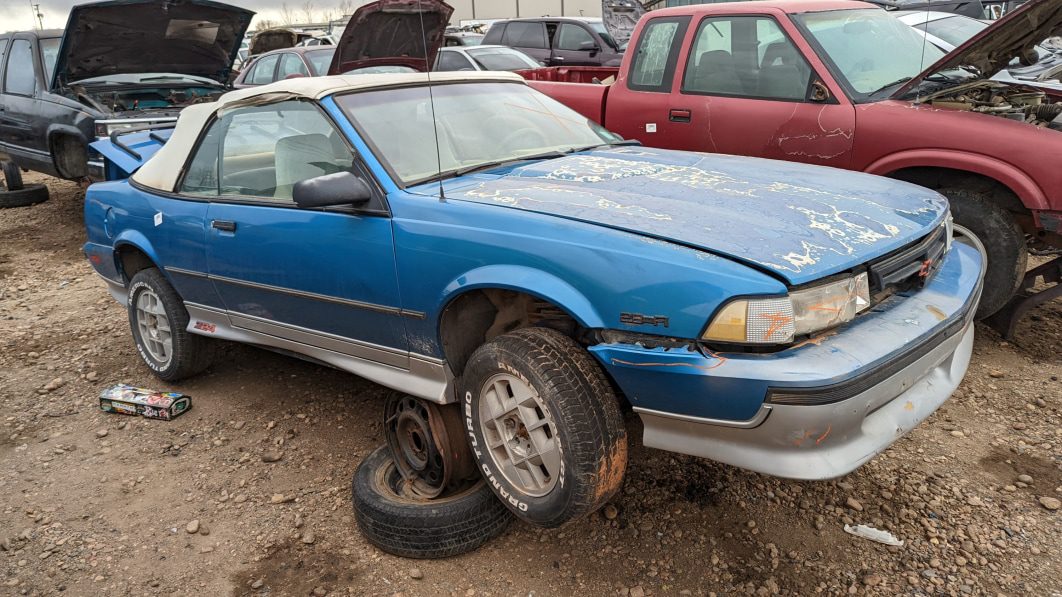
(17, 15)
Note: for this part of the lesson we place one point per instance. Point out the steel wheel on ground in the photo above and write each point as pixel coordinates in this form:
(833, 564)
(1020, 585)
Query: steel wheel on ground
(546, 427)
(159, 323)
(394, 518)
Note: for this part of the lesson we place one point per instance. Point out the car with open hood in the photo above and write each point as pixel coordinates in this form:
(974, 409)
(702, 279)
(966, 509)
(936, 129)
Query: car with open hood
(517, 273)
(844, 84)
(118, 64)
(388, 33)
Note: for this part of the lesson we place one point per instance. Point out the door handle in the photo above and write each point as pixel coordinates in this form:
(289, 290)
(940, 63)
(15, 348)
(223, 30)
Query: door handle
(223, 225)
(679, 115)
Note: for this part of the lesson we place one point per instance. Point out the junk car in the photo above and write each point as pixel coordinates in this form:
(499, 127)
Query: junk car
(519, 290)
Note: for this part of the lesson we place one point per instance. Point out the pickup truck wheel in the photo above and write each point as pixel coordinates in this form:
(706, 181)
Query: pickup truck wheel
(1003, 240)
(12, 176)
(159, 323)
(403, 524)
(27, 195)
(545, 426)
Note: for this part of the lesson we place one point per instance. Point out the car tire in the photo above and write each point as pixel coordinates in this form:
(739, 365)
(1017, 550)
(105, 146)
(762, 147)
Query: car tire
(12, 176)
(159, 323)
(545, 425)
(440, 527)
(1002, 238)
(27, 195)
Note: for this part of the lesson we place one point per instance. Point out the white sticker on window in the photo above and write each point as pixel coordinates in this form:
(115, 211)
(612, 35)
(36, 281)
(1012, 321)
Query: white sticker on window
(158, 219)
(650, 127)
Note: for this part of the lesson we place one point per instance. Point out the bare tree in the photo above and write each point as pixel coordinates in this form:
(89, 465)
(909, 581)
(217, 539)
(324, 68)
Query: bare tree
(264, 24)
(307, 11)
(287, 17)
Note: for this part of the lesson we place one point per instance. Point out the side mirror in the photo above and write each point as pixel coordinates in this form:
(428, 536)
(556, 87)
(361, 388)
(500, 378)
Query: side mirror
(330, 190)
(588, 46)
(820, 93)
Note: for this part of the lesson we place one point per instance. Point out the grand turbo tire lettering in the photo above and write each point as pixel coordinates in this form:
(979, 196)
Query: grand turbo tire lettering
(482, 462)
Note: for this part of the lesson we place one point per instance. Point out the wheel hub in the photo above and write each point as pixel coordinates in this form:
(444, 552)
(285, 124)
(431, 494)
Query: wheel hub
(520, 434)
(154, 326)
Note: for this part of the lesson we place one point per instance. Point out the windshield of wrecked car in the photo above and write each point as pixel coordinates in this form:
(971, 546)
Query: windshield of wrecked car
(872, 53)
(49, 54)
(476, 123)
(320, 60)
(953, 30)
(501, 59)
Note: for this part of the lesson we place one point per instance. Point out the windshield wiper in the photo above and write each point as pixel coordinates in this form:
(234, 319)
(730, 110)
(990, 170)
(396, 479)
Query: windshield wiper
(899, 81)
(524, 158)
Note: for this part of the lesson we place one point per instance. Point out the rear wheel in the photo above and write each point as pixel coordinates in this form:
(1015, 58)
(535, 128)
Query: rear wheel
(546, 427)
(159, 324)
(1003, 240)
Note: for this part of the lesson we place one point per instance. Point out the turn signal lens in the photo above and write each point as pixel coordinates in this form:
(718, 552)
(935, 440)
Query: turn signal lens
(729, 325)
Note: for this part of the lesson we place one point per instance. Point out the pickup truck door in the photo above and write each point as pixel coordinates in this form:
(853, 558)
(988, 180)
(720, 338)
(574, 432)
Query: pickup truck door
(325, 278)
(20, 104)
(574, 45)
(744, 87)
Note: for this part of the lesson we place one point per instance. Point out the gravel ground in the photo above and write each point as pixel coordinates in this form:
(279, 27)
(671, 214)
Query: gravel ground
(103, 504)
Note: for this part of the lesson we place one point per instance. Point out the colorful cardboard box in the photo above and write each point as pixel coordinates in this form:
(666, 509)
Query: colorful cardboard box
(129, 400)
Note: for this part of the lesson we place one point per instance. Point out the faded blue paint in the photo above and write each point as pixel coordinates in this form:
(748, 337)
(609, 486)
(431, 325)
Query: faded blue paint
(801, 222)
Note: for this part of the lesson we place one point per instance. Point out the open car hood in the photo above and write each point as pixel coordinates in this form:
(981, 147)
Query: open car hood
(620, 17)
(392, 32)
(990, 51)
(188, 37)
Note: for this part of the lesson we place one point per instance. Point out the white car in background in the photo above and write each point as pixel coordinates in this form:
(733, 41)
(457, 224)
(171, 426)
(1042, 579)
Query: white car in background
(466, 58)
(948, 31)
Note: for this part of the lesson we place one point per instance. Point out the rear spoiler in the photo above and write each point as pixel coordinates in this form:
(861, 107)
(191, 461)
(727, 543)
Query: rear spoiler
(125, 151)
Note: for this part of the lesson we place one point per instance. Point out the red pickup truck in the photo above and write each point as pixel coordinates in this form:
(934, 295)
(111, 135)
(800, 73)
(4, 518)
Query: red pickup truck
(844, 84)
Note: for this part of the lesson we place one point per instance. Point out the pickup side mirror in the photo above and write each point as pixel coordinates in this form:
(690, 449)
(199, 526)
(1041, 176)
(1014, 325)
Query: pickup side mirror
(589, 46)
(330, 190)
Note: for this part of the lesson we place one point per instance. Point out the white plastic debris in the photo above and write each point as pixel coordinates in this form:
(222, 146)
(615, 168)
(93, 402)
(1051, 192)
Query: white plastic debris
(862, 530)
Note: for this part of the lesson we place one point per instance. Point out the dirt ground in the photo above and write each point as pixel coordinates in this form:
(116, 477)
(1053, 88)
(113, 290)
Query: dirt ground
(103, 504)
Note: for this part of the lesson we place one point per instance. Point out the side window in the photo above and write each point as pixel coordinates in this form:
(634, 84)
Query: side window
(291, 64)
(49, 54)
(3, 53)
(263, 70)
(260, 152)
(19, 77)
(572, 37)
(453, 61)
(746, 56)
(525, 35)
(657, 53)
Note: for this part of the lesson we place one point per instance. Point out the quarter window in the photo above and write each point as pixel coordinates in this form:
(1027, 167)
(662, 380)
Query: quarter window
(20, 78)
(525, 35)
(263, 70)
(261, 152)
(573, 37)
(746, 56)
(655, 58)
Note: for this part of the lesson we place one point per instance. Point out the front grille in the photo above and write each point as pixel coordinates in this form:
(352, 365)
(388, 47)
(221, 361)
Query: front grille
(910, 266)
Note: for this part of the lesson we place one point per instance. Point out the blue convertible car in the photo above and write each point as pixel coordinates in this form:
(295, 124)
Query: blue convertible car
(520, 276)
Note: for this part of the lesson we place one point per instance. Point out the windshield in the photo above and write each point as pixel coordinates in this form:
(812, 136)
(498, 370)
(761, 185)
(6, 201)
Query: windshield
(872, 52)
(599, 28)
(49, 54)
(476, 123)
(501, 59)
(953, 30)
(320, 60)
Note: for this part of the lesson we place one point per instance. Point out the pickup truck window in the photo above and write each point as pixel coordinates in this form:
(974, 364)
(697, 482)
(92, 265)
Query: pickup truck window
(474, 125)
(657, 53)
(572, 37)
(3, 52)
(264, 151)
(871, 52)
(525, 35)
(49, 54)
(748, 57)
(19, 76)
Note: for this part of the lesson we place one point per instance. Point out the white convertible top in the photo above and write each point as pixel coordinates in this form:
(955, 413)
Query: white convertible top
(164, 168)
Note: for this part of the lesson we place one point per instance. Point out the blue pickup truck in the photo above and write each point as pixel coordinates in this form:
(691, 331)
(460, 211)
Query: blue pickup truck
(521, 276)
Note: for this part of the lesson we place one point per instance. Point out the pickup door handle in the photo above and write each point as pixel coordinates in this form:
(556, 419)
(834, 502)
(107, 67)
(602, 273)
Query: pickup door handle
(223, 225)
(678, 115)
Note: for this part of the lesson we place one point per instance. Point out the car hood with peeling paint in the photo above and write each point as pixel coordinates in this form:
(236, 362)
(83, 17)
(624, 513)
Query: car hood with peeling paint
(800, 222)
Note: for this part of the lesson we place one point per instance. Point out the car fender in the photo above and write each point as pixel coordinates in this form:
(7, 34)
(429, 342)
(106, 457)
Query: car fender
(136, 240)
(535, 282)
(1006, 174)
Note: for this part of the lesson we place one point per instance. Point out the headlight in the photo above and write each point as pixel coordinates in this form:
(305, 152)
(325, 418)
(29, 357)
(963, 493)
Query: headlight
(105, 128)
(778, 320)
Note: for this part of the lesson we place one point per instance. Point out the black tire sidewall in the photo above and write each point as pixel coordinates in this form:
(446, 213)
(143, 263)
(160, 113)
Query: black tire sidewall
(543, 510)
(151, 279)
(12, 177)
(1002, 238)
(27, 195)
